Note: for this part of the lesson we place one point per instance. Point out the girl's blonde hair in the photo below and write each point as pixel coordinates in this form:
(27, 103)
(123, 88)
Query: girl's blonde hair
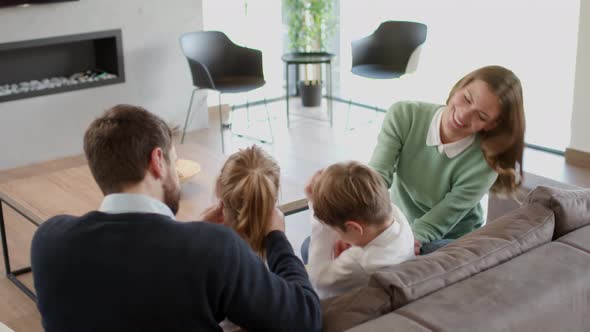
(502, 146)
(248, 187)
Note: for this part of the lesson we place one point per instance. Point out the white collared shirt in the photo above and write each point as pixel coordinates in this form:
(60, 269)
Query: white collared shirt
(353, 268)
(433, 138)
(130, 203)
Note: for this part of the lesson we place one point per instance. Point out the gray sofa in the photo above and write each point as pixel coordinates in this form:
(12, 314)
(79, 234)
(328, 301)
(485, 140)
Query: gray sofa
(528, 269)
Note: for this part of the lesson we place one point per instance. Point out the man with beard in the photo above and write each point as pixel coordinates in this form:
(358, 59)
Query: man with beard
(130, 266)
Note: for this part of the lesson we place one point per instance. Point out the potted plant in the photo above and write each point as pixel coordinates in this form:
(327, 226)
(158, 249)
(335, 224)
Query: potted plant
(311, 24)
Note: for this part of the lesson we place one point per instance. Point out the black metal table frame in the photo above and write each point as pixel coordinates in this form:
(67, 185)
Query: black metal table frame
(10, 274)
(321, 58)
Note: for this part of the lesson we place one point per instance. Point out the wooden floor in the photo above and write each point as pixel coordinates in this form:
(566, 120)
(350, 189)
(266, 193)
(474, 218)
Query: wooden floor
(309, 144)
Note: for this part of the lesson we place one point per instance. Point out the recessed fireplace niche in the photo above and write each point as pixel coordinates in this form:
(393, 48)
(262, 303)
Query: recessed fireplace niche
(58, 64)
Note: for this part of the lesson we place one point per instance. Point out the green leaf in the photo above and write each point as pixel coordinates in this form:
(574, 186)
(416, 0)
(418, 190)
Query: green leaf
(311, 24)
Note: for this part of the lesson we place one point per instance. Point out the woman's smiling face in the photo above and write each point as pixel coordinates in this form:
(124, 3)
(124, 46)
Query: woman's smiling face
(471, 109)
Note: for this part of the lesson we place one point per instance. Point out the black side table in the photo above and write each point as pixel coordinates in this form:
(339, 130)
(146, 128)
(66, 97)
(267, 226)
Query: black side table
(304, 58)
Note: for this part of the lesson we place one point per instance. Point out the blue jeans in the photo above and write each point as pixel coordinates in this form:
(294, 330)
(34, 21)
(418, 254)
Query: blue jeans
(429, 247)
(305, 250)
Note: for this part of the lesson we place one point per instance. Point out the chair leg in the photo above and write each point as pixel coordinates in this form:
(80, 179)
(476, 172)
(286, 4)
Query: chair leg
(287, 94)
(348, 115)
(248, 112)
(329, 93)
(272, 137)
(375, 115)
(221, 125)
(188, 113)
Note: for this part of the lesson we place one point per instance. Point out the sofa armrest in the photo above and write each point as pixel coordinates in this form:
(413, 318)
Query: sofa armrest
(499, 206)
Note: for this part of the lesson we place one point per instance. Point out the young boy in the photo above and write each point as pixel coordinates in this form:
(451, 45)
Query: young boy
(356, 230)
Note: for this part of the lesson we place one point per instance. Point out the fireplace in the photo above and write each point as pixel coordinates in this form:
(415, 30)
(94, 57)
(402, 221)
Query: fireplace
(59, 64)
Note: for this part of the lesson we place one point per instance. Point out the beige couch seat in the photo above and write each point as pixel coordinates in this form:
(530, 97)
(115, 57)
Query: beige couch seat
(546, 289)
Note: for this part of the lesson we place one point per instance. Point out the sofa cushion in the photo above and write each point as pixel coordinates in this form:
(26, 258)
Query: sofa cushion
(351, 309)
(546, 289)
(578, 239)
(571, 207)
(509, 236)
(390, 322)
(499, 205)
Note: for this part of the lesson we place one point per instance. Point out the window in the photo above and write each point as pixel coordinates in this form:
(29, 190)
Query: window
(536, 39)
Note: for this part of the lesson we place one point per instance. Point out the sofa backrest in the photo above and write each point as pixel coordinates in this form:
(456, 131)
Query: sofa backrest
(509, 236)
(345, 311)
(500, 205)
(545, 289)
(571, 207)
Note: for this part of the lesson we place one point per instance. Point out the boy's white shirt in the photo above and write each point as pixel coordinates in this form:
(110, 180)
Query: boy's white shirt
(352, 269)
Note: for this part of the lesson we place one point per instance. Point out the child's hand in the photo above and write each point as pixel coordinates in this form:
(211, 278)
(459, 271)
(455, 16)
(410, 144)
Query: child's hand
(417, 246)
(309, 185)
(339, 247)
(277, 222)
(213, 214)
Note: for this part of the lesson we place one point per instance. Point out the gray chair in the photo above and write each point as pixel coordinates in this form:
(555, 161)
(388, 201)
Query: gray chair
(386, 53)
(389, 52)
(217, 63)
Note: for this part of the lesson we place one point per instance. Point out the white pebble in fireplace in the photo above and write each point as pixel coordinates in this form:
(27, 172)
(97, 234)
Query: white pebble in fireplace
(55, 82)
(59, 64)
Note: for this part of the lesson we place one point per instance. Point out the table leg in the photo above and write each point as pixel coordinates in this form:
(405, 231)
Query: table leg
(287, 94)
(330, 110)
(4, 242)
(12, 275)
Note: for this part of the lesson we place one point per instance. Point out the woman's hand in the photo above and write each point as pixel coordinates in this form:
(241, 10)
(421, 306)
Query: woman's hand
(213, 214)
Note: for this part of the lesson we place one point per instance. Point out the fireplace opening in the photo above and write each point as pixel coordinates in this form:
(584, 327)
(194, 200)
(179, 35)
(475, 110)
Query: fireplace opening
(58, 64)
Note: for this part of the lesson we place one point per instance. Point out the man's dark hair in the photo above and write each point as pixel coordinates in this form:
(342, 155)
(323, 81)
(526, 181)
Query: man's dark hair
(118, 146)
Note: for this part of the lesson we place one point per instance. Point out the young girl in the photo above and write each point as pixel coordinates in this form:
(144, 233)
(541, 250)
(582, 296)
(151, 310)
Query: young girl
(248, 189)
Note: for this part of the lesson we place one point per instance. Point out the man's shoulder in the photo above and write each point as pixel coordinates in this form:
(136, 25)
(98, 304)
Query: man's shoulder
(62, 218)
(213, 231)
(207, 236)
(53, 230)
(61, 223)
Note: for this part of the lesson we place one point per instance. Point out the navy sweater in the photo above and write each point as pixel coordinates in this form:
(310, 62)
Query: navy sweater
(147, 272)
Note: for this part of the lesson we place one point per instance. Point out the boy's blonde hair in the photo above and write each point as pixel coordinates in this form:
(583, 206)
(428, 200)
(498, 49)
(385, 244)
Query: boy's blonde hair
(350, 191)
(248, 186)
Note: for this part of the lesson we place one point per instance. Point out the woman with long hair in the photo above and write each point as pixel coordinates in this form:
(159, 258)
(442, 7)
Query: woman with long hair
(440, 160)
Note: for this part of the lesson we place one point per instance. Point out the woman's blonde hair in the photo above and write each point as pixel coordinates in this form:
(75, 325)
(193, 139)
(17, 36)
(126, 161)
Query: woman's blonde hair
(248, 186)
(502, 146)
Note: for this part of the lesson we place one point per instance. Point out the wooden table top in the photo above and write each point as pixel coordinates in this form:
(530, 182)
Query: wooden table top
(73, 190)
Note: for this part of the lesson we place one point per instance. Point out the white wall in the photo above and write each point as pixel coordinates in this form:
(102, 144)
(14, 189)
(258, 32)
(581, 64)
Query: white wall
(581, 111)
(157, 76)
